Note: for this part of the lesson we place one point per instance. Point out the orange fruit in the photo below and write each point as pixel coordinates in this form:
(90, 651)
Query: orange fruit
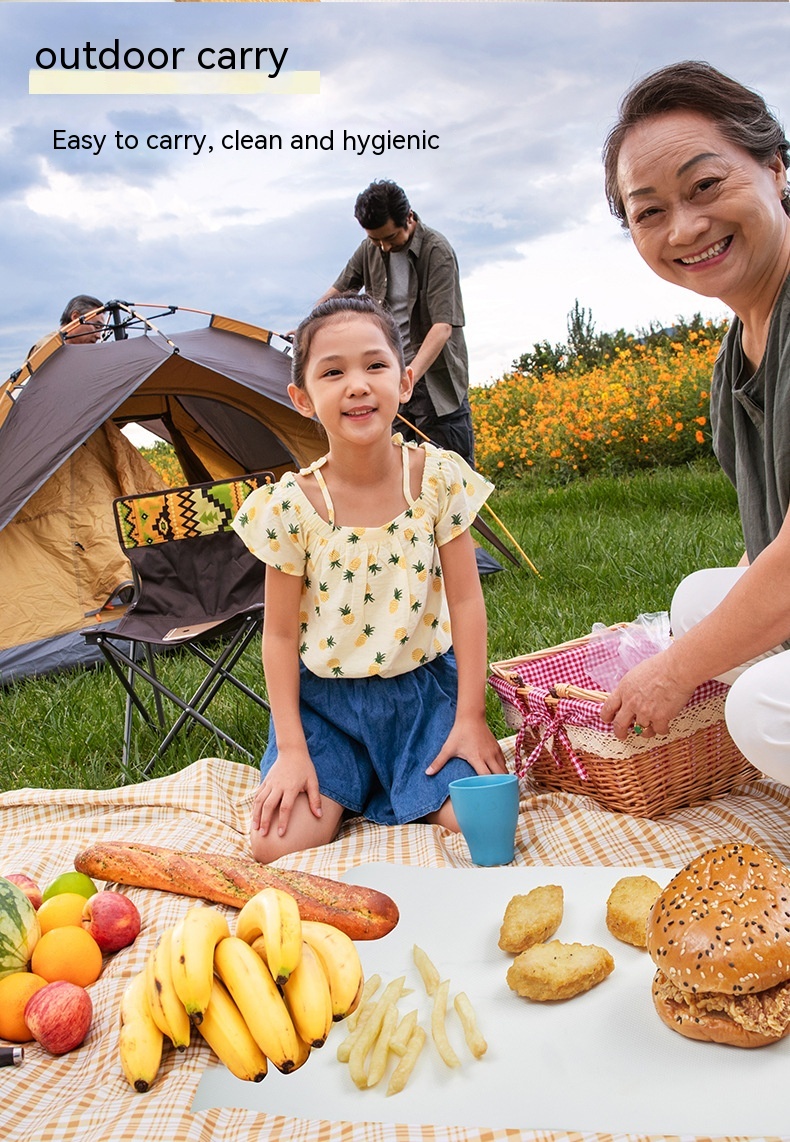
(66, 908)
(15, 990)
(68, 953)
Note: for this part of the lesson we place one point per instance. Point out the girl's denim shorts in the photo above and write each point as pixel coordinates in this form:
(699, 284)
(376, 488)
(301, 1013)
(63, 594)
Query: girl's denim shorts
(371, 740)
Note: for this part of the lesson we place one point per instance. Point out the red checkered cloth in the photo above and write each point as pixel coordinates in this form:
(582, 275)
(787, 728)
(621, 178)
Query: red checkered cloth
(532, 682)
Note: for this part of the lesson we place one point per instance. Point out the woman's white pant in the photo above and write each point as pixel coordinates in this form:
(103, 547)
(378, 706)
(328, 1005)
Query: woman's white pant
(757, 709)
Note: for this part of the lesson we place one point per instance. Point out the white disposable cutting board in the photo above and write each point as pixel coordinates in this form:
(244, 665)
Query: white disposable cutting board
(602, 1062)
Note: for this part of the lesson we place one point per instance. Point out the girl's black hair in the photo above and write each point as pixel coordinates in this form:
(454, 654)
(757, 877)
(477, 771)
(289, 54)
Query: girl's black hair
(338, 306)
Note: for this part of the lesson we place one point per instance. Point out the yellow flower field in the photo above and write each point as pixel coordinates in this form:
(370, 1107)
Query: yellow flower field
(647, 406)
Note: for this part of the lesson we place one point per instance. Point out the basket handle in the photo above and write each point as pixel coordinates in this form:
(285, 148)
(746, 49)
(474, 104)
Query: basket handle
(555, 727)
(568, 690)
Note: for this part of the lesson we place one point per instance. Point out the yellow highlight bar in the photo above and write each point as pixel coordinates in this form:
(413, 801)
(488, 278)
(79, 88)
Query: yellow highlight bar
(60, 82)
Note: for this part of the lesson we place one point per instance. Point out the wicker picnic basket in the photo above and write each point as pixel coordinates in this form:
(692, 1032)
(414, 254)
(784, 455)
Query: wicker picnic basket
(549, 700)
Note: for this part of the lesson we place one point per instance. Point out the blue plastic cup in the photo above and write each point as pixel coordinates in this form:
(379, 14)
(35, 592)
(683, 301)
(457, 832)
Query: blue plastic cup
(486, 808)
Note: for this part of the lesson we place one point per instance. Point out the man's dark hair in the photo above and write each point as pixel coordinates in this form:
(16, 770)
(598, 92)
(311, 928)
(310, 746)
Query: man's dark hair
(381, 201)
(82, 303)
(741, 115)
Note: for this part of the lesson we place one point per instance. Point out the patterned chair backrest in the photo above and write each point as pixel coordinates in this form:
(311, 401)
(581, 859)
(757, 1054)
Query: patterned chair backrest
(190, 512)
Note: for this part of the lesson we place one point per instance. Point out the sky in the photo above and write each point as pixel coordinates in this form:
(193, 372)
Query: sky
(520, 95)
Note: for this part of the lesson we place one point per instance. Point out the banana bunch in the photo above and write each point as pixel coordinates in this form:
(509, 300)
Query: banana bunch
(268, 994)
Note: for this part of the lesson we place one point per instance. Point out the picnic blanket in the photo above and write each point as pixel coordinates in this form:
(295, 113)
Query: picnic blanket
(84, 1096)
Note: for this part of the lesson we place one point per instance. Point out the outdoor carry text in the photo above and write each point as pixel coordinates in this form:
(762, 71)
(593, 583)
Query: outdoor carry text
(116, 58)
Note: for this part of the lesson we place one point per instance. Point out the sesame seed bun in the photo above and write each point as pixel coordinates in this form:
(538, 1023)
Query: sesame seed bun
(719, 935)
(723, 923)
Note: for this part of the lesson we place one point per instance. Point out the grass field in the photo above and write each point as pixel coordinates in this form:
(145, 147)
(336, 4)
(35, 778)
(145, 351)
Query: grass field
(607, 549)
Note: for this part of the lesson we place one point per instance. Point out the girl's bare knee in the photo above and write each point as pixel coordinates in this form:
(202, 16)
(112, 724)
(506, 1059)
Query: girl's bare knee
(305, 831)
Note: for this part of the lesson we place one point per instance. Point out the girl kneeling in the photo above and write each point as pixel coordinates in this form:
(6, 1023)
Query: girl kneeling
(369, 560)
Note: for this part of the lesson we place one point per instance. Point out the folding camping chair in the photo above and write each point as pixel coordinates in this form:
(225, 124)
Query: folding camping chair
(194, 581)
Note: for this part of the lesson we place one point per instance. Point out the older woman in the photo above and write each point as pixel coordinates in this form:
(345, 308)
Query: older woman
(696, 171)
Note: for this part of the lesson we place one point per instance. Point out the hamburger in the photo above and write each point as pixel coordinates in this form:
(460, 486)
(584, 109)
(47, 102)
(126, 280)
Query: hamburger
(719, 935)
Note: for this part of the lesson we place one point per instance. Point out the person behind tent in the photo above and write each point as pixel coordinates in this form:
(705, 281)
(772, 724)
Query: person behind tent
(77, 308)
(87, 332)
(370, 569)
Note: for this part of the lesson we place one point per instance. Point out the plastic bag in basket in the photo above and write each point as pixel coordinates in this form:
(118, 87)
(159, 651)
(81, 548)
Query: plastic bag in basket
(613, 651)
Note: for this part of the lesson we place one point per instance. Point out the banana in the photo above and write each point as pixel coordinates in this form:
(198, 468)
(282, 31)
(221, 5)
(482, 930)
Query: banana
(140, 1041)
(258, 998)
(225, 1031)
(308, 999)
(168, 1011)
(273, 914)
(192, 957)
(259, 947)
(303, 1056)
(340, 960)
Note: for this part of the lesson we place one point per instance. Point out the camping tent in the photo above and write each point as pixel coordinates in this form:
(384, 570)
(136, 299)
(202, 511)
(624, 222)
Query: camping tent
(217, 392)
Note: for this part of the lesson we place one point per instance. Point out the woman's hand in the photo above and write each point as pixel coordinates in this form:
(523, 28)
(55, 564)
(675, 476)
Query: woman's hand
(472, 740)
(649, 696)
(291, 775)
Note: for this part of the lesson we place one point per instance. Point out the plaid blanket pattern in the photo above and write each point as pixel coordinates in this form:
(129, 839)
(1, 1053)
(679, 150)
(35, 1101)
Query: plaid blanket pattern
(206, 807)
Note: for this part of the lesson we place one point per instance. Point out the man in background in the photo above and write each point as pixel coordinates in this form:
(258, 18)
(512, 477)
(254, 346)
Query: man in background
(90, 330)
(87, 333)
(413, 270)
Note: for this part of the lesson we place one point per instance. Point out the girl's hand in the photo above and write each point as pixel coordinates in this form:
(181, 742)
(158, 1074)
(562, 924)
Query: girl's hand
(291, 776)
(473, 741)
(647, 696)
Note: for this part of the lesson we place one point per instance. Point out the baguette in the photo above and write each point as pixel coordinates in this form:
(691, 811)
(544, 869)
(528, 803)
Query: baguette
(362, 913)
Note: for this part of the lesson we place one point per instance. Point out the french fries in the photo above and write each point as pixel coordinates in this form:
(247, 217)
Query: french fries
(439, 1025)
(400, 1037)
(365, 1034)
(466, 1013)
(377, 1030)
(381, 1048)
(369, 989)
(400, 1076)
(427, 969)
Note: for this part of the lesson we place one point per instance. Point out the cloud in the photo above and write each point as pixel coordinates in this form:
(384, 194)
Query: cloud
(521, 96)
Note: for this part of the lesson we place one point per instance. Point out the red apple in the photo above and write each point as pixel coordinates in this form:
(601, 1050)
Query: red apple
(59, 1016)
(28, 886)
(112, 919)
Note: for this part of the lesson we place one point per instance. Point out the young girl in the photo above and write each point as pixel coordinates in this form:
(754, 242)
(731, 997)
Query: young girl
(368, 561)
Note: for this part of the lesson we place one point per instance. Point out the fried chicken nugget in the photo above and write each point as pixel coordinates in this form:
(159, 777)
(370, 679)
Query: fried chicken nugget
(628, 908)
(558, 971)
(531, 918)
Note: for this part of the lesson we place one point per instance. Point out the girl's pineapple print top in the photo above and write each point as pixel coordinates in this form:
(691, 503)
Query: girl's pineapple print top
(373, 600)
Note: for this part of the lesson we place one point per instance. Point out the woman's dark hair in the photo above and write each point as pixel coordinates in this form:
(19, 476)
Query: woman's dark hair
(343, 304)
(381, 201)
(741, 115)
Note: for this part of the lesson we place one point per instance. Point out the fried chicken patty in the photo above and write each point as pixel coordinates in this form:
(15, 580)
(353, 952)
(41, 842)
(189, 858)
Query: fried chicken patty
(765, 1012)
